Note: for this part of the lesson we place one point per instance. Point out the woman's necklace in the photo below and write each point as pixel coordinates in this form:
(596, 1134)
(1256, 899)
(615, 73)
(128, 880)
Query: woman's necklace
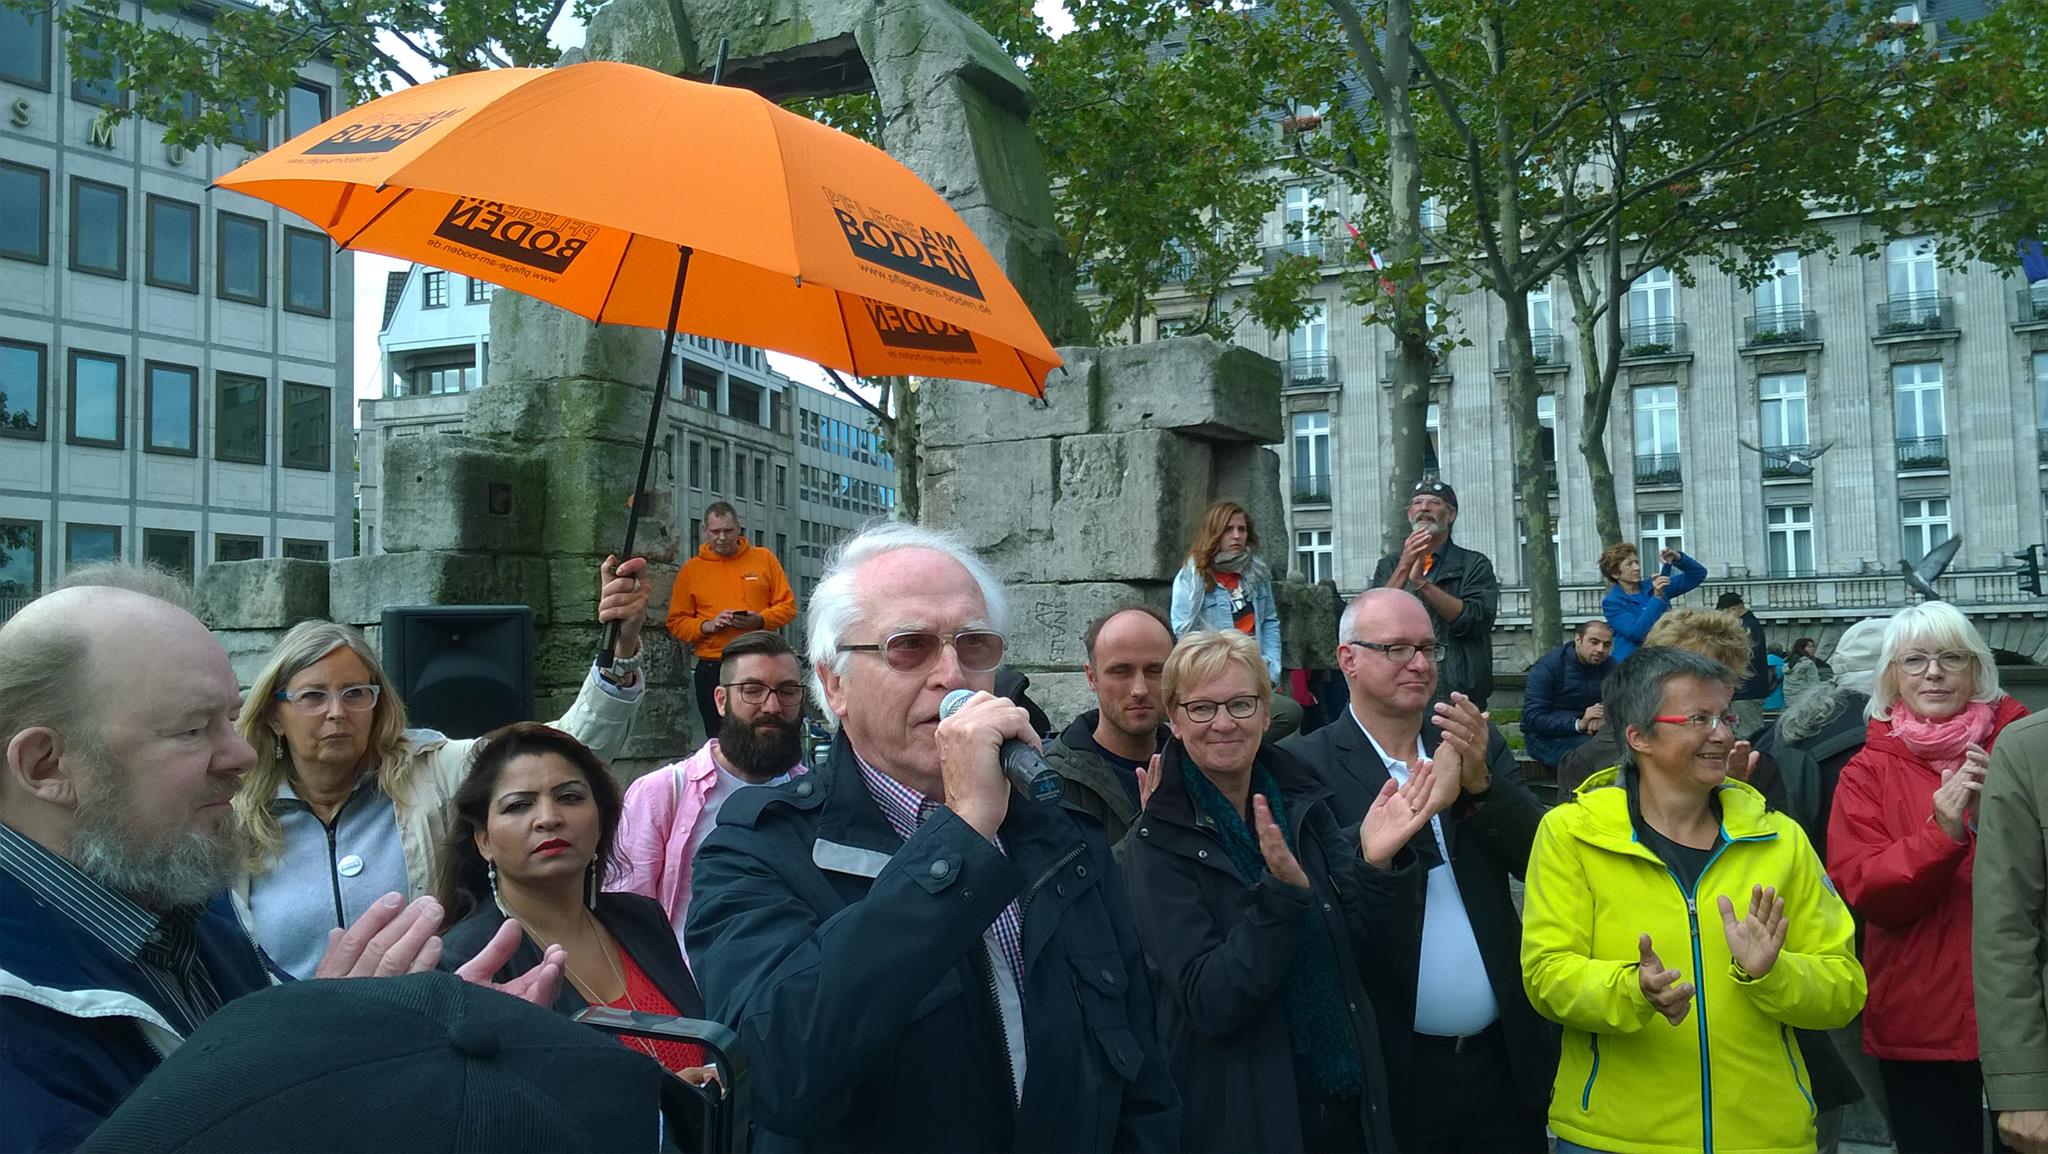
(606, 947)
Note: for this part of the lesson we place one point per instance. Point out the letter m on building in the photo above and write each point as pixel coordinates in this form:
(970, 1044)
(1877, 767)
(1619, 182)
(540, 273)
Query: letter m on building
(101, 134)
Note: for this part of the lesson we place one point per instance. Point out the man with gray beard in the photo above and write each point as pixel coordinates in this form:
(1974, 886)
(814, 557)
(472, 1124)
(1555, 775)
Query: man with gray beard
(117, 842)
(1457, 585)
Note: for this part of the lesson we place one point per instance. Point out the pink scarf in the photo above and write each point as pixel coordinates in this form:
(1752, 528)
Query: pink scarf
(1940, 743)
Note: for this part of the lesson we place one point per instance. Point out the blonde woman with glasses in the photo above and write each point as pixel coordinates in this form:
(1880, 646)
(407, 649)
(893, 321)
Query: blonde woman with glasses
(345, 804)
(1901, 843)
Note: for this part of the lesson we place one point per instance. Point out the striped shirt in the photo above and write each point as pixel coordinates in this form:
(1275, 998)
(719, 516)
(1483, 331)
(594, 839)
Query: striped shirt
(162, 947)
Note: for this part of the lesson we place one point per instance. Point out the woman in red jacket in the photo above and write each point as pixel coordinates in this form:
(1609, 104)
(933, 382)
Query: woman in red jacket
(1901, 842)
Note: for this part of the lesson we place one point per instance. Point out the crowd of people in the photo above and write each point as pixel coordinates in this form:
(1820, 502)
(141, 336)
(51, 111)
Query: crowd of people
(1365, 935)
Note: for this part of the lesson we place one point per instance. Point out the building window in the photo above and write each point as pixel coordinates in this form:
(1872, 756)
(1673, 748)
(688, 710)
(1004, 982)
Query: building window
(1313, 557)
(1790, 540)
(1171, 327)
(21, 558)
(236, 547)
(170, 408)
(1657, 435)
(760, 478)
(782, 486)
(24, 210)
(173, 240)
(249, 129)
(480, 291)
(1652, 314)
(307, 265)
(106, 92)
(99, 228)
(743, 402)
(717, 478)
(98, 400)
(1542, 322)
(24, 368)
(242, 244)
(1924, 524)
(781, 545)
(1656, 532)
(443, 378)
(302, 549)
(308, 426)
(168, 549)
(238, 417)
(1911, 269)
(697, 465)
(1922, 419)
(1781, 300)
(1301, 213)
(84, 544)
(435, 286)
(698, 385)
(2040, 398)
(1311, 457)
(25, 47)
(305, 109)
(1546, 437)
(1784, 410)
(1310, 339)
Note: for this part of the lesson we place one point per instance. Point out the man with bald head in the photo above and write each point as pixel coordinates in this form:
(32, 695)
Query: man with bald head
(1472, 1060)
(1099, 756)
(117, 844)
(916, 957)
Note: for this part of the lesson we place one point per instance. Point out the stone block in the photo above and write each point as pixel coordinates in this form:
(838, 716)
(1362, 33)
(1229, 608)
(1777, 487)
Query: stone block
(1308, 625)
(249, 650)
(450, 492)
(998, 497)
(532, 341)
(571, 407)
(1126, 509)
(270, 593)
(955, 413)
(1194, 385)
(1048, 622)
(590, 491)
(562, 655)
(642, 32)
(361, 588)
(1250, 476)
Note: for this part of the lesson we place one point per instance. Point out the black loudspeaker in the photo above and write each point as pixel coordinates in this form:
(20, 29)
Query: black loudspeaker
(461, 669)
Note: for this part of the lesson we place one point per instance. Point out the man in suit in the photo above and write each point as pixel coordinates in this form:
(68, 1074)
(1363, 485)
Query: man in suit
(1466, 1033)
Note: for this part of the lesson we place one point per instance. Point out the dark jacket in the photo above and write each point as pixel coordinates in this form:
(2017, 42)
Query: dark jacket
(851, 963)
(1467, 575)
(1223, 950)
(1489, 842)
(79, 1027)
(1759, 682)
(1559, 690)
(636, 923)
(1092, 784)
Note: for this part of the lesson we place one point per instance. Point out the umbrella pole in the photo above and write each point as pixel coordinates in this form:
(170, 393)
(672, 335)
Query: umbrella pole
(668, 352)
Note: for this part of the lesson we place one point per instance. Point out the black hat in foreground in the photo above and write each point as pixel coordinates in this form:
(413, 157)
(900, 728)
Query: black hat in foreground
(422, 1062)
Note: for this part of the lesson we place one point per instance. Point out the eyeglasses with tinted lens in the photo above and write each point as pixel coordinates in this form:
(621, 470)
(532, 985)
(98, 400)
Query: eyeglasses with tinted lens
(914, 651)
(1702, 721)
(756, 692)
(1917, 663)
(1401, 653)
(354, 698)
(1238, 707)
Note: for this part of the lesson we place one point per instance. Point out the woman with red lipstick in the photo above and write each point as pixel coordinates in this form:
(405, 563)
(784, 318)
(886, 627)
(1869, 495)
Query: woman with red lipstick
(530, 840)
(1901, 842)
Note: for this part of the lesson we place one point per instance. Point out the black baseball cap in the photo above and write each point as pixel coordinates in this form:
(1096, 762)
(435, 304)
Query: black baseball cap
(1435, 489)
(1729, 598)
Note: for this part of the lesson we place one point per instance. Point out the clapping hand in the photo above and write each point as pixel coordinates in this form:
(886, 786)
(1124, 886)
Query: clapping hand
(1280, 861)
(394, 937)
(1666, 993)
(1740, 762)
(1955, 800)
(1754, 942)
(1148, 781)
(1461, 758)
(1397, 814)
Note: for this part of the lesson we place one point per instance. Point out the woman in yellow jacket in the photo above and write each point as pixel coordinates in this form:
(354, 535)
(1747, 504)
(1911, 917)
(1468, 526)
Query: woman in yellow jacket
(1679, 933)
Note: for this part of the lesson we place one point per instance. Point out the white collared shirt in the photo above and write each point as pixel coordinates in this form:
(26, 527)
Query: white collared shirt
(1453, 996)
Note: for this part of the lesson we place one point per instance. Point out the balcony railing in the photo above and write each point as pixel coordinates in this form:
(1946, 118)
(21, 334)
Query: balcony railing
(1438, 370)
(2034, 303)
(1320, 249)
(1923, 453)
(1546, 346)
(11, 604)
(1657, 469)
(1786, 461)
(1178, 269)
(1916, 313)
(1311, 371)
(1311, 488)
(1663, 337)
(1852, 594)
(1780, 326)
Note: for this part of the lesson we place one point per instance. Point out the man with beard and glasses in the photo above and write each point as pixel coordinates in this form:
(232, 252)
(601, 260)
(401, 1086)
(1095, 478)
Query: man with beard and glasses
(1457, 585)
(669, 813)
(118, 936)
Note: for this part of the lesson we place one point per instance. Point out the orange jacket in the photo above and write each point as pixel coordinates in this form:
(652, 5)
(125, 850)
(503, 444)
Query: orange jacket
(707, 585)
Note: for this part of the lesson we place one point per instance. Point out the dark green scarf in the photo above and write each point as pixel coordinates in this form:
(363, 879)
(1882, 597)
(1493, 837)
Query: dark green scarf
(1318, 1022)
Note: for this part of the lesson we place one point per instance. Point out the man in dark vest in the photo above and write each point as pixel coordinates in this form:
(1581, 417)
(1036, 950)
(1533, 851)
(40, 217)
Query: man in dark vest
(1456, 585)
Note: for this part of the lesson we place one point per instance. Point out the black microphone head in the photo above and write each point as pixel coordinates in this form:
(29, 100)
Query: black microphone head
(954, 700)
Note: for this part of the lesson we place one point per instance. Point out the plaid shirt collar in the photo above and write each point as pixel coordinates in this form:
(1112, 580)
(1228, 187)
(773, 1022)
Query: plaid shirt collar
(903, 807)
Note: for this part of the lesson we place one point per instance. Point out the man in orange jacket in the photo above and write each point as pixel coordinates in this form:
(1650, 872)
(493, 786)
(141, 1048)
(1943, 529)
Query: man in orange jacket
(730, 587)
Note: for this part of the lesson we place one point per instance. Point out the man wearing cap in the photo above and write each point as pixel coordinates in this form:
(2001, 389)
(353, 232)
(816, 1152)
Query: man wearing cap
(1757, 681)
(1455, 583)
(118, 935)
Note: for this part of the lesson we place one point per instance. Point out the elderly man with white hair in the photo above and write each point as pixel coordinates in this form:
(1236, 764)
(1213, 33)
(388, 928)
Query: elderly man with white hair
(916, 958)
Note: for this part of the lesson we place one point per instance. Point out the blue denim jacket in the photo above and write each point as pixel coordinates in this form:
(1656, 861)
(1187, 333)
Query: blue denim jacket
(1192, 609)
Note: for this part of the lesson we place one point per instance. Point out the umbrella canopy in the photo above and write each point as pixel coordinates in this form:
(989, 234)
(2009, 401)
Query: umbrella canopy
(591, 187)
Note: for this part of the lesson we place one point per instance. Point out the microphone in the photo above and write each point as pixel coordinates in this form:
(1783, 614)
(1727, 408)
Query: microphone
(1021, 763)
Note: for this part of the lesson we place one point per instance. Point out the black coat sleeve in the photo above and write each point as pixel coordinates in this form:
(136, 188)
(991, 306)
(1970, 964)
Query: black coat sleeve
(1151, 1114)
(1505, 817)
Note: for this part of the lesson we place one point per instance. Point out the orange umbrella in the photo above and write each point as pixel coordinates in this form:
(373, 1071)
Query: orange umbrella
(633, 197)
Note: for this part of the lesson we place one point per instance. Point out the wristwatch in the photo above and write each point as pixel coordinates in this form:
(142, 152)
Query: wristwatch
(623, 669)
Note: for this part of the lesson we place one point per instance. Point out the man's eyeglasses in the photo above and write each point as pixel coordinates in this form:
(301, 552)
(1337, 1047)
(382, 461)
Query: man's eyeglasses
(1917, 663)
(354, 698)
(756, 692)
(979, 650)
(1401, 652)
(1701, 721)
(1238, 707)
